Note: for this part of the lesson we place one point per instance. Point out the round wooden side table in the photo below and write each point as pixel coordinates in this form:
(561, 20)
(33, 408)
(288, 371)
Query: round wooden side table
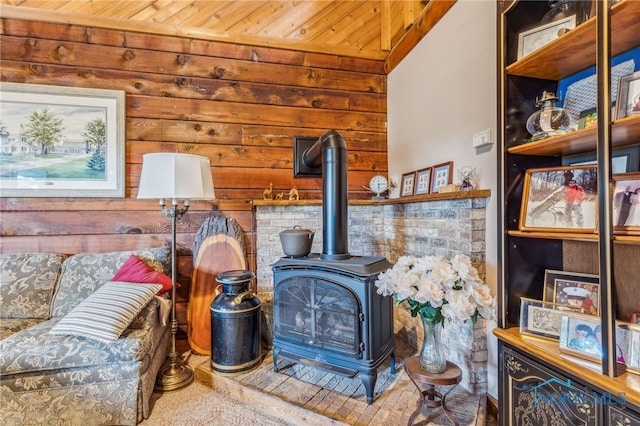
(429, 396)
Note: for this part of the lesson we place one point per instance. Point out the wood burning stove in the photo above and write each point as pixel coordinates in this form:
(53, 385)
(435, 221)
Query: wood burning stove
(327, 312)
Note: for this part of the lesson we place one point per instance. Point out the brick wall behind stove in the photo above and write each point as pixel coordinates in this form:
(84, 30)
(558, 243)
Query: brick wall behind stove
(442, 227)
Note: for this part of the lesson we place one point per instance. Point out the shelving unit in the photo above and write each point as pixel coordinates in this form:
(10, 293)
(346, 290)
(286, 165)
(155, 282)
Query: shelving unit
(611, 395)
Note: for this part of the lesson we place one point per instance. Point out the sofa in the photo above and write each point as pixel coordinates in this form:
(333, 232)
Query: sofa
(54, 374)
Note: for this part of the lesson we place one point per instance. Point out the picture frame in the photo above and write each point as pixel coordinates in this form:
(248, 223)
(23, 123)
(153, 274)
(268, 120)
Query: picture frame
(441, 176)
(635, 318)
(83, 154)
(534, 39)
(578, 291)
(542, 319)
(588, 118)
(408, 184)
(628, 346)
(423, 181)
(578, 336)
(552, 203)
(626, 203)
(628, 102)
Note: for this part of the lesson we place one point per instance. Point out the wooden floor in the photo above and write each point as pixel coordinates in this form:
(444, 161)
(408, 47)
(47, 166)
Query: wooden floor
(300, 394)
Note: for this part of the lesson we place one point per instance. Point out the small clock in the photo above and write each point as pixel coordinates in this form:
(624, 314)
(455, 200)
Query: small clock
(378, 184)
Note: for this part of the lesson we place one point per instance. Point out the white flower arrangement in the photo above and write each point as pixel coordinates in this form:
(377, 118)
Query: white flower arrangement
(436, 288)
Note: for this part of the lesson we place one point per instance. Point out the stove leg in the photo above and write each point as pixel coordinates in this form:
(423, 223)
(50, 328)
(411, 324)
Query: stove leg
(369, 382)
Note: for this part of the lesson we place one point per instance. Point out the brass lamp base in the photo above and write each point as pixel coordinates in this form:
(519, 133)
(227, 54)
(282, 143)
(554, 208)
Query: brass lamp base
(173, 375)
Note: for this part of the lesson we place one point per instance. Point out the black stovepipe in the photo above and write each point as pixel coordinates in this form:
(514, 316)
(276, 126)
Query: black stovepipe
(330, 151)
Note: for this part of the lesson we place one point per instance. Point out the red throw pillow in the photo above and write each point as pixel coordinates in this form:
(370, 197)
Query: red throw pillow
(136, 270)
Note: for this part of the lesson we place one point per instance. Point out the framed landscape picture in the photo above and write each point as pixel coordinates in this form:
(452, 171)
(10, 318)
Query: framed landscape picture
(61, 141)
(560, 199)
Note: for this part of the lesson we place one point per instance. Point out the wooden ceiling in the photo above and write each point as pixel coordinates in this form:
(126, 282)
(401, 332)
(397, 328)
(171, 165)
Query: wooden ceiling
(371, 29)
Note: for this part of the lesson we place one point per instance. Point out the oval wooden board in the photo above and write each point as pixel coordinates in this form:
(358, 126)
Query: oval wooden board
(218, 253)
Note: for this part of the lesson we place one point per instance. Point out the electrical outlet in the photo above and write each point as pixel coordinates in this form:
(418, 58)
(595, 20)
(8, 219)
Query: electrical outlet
(482, 138)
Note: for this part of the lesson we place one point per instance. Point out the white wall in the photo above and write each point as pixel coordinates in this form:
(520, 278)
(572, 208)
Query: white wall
(442, 93)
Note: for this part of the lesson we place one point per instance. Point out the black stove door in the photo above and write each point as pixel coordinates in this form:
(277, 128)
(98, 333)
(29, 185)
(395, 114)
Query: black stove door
(318, 313)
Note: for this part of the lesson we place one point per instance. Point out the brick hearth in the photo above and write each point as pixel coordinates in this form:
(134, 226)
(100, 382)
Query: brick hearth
(301, 394)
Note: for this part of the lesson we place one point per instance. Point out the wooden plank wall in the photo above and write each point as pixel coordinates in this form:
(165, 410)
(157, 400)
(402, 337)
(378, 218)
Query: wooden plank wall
(238, 105)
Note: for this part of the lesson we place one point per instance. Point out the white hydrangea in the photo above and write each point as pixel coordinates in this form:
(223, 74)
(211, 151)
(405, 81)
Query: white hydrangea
(450, 286)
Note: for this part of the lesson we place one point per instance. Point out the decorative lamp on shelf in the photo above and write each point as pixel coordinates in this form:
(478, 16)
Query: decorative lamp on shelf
(180, 178)
(549, 120)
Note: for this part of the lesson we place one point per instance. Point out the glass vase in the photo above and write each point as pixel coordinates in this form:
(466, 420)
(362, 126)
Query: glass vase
(432, 357)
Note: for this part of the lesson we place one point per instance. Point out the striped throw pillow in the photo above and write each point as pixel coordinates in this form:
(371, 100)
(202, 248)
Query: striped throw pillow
(107, 312)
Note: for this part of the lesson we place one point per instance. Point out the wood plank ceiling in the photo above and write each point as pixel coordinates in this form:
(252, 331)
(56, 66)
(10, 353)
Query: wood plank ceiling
(366, 29)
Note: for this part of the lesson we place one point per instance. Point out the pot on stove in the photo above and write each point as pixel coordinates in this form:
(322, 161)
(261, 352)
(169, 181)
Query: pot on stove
(296, 242)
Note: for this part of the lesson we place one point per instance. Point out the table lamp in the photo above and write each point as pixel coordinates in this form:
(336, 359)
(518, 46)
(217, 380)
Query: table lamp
(180, 178)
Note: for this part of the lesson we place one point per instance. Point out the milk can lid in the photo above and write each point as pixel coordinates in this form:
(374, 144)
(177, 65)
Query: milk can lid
(235, 276)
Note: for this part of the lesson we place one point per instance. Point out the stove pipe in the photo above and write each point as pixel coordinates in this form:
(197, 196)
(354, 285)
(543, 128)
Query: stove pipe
(331, 151)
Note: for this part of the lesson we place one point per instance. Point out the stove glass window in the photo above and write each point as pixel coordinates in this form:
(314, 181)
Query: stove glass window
(317, 312)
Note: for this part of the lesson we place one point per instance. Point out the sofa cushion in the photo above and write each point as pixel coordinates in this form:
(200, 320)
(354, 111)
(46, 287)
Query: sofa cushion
(84, 273)
(105, 314)
(27, 283)
(33, 351)
(8, 326)
(136, 270)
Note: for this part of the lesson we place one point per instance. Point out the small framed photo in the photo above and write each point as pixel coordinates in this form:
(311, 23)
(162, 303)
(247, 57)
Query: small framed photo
(588, 118)
(441, 176)
(423, 178)
(628, 336)
(626, 203)
(560, 199)
(628, 102)
(635, 318)
(579, 291)
(408, 184)
(542, 319)
(579, 336)
(628, 345)
(533, 39)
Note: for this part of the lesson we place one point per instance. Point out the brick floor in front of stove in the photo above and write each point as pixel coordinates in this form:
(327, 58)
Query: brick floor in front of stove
(307, 395)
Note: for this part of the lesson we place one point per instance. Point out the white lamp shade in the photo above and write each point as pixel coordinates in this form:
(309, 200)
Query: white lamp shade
(176, 176)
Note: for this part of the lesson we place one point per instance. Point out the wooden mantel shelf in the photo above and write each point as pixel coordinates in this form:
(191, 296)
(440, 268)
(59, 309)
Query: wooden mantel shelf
(457, 195)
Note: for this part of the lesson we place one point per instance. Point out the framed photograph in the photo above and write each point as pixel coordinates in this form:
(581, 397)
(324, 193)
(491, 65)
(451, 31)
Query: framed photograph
(627, 345)
(441, 176)
(588, 118)
(619, 163)
(423, 181)
(560, 199)
(579, 336)
(542, 319)
(576, 290)
(408, 184)
(628, 102)
(533, 39)
(635, 318)
(626, 203)
(628, 342)
(61, 141)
